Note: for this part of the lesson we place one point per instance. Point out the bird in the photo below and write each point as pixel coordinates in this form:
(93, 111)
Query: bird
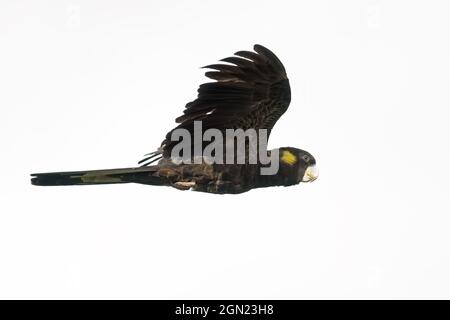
(249, 91)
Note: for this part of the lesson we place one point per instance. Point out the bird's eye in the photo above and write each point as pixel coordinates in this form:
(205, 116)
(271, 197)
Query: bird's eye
(306, 158)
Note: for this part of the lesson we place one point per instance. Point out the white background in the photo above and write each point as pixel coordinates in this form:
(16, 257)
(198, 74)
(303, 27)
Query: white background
(96, 84)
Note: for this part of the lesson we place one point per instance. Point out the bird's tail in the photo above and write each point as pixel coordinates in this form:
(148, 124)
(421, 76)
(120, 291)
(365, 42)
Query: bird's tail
(145, 175)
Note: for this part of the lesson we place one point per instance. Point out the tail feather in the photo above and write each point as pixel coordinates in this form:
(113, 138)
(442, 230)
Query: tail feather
(143, 175)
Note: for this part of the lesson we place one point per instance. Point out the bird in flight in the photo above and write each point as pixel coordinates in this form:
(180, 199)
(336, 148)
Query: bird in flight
(250, 93)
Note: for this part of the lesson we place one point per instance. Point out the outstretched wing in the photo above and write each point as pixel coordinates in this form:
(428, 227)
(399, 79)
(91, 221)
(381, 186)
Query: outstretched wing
(251, 91)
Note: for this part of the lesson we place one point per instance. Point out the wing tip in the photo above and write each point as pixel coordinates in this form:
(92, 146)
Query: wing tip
(264, 51)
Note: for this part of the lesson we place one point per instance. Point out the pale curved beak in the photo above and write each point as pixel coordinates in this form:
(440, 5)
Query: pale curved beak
(311, 174)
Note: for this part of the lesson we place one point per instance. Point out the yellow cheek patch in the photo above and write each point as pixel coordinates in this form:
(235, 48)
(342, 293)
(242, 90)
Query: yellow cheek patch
(288, 158)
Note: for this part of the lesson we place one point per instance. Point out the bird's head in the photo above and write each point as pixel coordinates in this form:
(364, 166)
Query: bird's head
(297, 165)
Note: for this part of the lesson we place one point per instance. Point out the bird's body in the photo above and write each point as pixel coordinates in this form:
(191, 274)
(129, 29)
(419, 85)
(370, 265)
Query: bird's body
(251, 93)
(211, 178)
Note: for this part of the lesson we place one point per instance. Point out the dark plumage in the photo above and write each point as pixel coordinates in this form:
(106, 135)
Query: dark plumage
(251, 91)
